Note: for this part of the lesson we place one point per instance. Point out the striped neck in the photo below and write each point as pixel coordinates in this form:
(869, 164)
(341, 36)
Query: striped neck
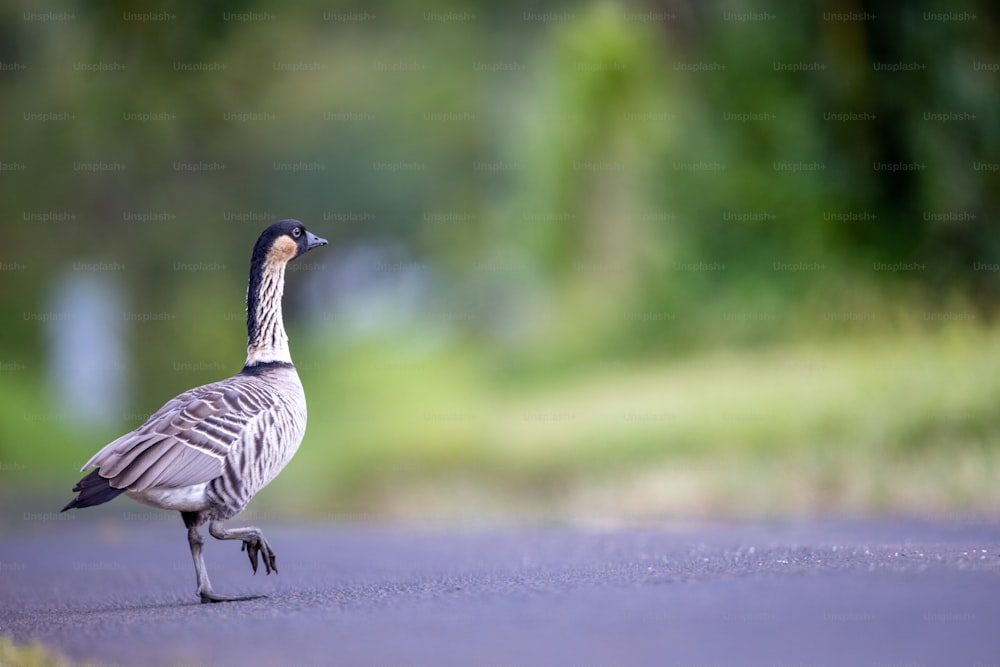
(266, 338)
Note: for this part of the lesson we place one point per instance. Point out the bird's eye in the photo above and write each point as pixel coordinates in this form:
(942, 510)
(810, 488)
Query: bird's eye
(297, 232)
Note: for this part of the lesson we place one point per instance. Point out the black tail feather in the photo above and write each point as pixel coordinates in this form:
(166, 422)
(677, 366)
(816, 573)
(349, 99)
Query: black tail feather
(93, 490)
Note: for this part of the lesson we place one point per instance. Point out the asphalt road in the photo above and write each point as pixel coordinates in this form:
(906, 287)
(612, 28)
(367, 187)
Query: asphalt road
(828, 593)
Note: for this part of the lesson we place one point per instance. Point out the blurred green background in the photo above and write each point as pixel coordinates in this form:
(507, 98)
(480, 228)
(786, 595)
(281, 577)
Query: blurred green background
(590, 261)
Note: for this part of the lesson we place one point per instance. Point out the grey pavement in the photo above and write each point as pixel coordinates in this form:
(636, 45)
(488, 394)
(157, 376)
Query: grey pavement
(786, 593)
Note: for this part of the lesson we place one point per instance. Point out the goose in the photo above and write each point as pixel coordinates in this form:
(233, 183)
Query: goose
(209, 450)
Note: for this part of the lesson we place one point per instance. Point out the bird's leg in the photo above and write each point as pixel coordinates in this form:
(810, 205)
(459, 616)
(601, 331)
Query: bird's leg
(253, 543)
(205, 591)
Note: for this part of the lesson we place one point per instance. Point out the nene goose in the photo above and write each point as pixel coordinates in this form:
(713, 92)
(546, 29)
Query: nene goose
(208, 451)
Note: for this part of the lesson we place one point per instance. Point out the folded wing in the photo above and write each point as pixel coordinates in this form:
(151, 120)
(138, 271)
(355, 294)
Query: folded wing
(183, 443)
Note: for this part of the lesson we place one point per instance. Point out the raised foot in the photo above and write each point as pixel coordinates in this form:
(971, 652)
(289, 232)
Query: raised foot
(211, 596)
(255, 546)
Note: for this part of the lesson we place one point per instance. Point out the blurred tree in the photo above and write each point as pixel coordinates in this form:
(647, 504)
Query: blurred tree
(588, 135)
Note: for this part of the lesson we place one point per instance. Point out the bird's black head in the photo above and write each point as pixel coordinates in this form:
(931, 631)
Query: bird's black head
(284, 241)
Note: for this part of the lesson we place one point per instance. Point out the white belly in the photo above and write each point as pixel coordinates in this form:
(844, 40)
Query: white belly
(184, 499)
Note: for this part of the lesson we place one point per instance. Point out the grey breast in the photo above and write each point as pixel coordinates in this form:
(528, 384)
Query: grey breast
(267, 441)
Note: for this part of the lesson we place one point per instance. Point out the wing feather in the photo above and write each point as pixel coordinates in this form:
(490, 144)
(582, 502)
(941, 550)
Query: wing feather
(120, 453)
(186, 441)
(159, 468)
(142, 463)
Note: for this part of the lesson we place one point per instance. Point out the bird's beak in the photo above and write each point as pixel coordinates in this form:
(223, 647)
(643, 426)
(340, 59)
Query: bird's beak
(313, 241)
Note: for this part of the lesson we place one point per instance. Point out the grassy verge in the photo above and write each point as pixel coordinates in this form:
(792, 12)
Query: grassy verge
(876, 424)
